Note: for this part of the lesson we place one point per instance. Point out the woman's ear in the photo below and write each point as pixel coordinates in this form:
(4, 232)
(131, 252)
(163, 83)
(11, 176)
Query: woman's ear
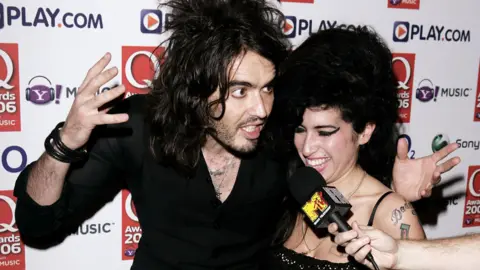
(366, 134)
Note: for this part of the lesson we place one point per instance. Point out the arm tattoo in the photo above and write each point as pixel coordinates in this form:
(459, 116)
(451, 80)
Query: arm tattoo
(397, 213)
(404, 229)
(396, 216)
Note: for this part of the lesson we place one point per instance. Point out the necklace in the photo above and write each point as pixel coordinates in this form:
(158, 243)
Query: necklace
(320, 242)
(358, 186)
(305, 241)
(218, 172)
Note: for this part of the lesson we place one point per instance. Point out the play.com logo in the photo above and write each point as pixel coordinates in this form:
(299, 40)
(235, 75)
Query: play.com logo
(47, 17)
(405, 31)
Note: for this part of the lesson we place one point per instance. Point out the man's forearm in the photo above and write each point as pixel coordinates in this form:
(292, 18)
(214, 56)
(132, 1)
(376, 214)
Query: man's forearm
(452, 253)
(46, 179)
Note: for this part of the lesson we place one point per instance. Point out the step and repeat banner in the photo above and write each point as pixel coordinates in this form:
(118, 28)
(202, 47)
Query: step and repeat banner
(47, 46)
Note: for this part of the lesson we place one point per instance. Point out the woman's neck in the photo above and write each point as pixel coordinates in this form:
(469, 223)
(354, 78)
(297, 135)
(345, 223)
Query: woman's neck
(349, 182)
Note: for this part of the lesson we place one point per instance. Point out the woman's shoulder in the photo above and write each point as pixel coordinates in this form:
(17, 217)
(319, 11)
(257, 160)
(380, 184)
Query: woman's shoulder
(396, 216)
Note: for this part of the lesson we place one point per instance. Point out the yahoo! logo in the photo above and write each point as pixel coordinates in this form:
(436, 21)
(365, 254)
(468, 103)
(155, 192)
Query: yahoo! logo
(427, 91)
(42, 92)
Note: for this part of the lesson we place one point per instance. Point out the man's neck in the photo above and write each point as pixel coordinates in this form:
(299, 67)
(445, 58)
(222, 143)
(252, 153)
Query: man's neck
(213, 148)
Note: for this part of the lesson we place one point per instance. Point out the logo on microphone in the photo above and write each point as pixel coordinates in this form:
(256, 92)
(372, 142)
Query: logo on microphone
(140, 66)
(316, 207)
(404, 69)
(131, 231)
(11, 246)
(9, 88)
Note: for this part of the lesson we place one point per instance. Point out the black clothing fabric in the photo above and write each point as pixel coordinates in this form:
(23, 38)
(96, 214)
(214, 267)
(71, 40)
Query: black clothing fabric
(184, 225)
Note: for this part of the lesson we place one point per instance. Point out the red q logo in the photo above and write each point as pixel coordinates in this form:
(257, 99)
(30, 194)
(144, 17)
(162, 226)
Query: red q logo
(403, 67)
(130, 208)
(471, 215)
(140, 66)
(9, 226)
(129, 71)
(402, 82)
(471, 184)
(4, 82)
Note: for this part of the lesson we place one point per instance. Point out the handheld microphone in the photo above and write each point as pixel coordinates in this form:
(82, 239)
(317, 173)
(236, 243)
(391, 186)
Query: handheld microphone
(320, 204)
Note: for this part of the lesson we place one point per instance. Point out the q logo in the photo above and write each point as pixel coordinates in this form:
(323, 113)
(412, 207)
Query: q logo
(9, 226)
(411, 152)
(130, 208)
(4, 82)
(147, 83)
(439, 142)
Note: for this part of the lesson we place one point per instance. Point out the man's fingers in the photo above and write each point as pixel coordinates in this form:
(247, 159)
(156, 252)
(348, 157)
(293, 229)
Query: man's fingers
(402, 149)
(361, 255)
(445, 151)
(342, 238)
(354, 246)
(333, 228)
(105, 119)
(426, 193)
(105, 97)
(448, 165)
(96, 82)
(95, 70)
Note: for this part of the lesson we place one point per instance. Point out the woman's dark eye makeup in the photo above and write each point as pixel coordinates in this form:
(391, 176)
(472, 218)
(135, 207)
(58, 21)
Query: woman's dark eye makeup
(324, 131)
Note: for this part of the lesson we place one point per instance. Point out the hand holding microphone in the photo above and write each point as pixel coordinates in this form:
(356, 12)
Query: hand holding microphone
(321, 205)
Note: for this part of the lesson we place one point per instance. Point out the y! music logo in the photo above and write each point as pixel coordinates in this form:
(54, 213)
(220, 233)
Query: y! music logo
(406, 4)
(40, 90)
(9, 88)
(404, 31)
(12, 249)
(404, 68)
(476, 110)
(131, 231)
(48, 17)
(427, 91)
(471, 214)
(140, 66)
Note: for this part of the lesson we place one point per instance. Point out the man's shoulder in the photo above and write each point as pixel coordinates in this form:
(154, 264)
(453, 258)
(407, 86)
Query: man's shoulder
(132, 105)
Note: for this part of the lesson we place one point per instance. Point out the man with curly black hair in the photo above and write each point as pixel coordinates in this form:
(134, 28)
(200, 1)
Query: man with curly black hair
(206, 192)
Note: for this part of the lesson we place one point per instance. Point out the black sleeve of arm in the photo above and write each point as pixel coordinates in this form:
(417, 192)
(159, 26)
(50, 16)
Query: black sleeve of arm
(87, 186)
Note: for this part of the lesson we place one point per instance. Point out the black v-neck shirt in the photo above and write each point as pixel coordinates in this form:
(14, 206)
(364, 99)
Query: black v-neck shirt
(184, 225)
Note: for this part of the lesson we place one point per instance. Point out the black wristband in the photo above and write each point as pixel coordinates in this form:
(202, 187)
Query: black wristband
(59, 151)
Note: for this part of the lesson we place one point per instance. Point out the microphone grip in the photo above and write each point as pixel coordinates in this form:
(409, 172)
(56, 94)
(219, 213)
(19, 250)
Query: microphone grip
(341, 223)
(343, 226)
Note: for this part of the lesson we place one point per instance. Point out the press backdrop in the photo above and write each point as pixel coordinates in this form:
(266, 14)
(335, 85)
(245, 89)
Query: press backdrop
(47, 46)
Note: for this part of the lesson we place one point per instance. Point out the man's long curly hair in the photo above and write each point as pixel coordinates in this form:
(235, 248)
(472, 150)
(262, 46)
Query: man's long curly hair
(206, 36)
(349, 69)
